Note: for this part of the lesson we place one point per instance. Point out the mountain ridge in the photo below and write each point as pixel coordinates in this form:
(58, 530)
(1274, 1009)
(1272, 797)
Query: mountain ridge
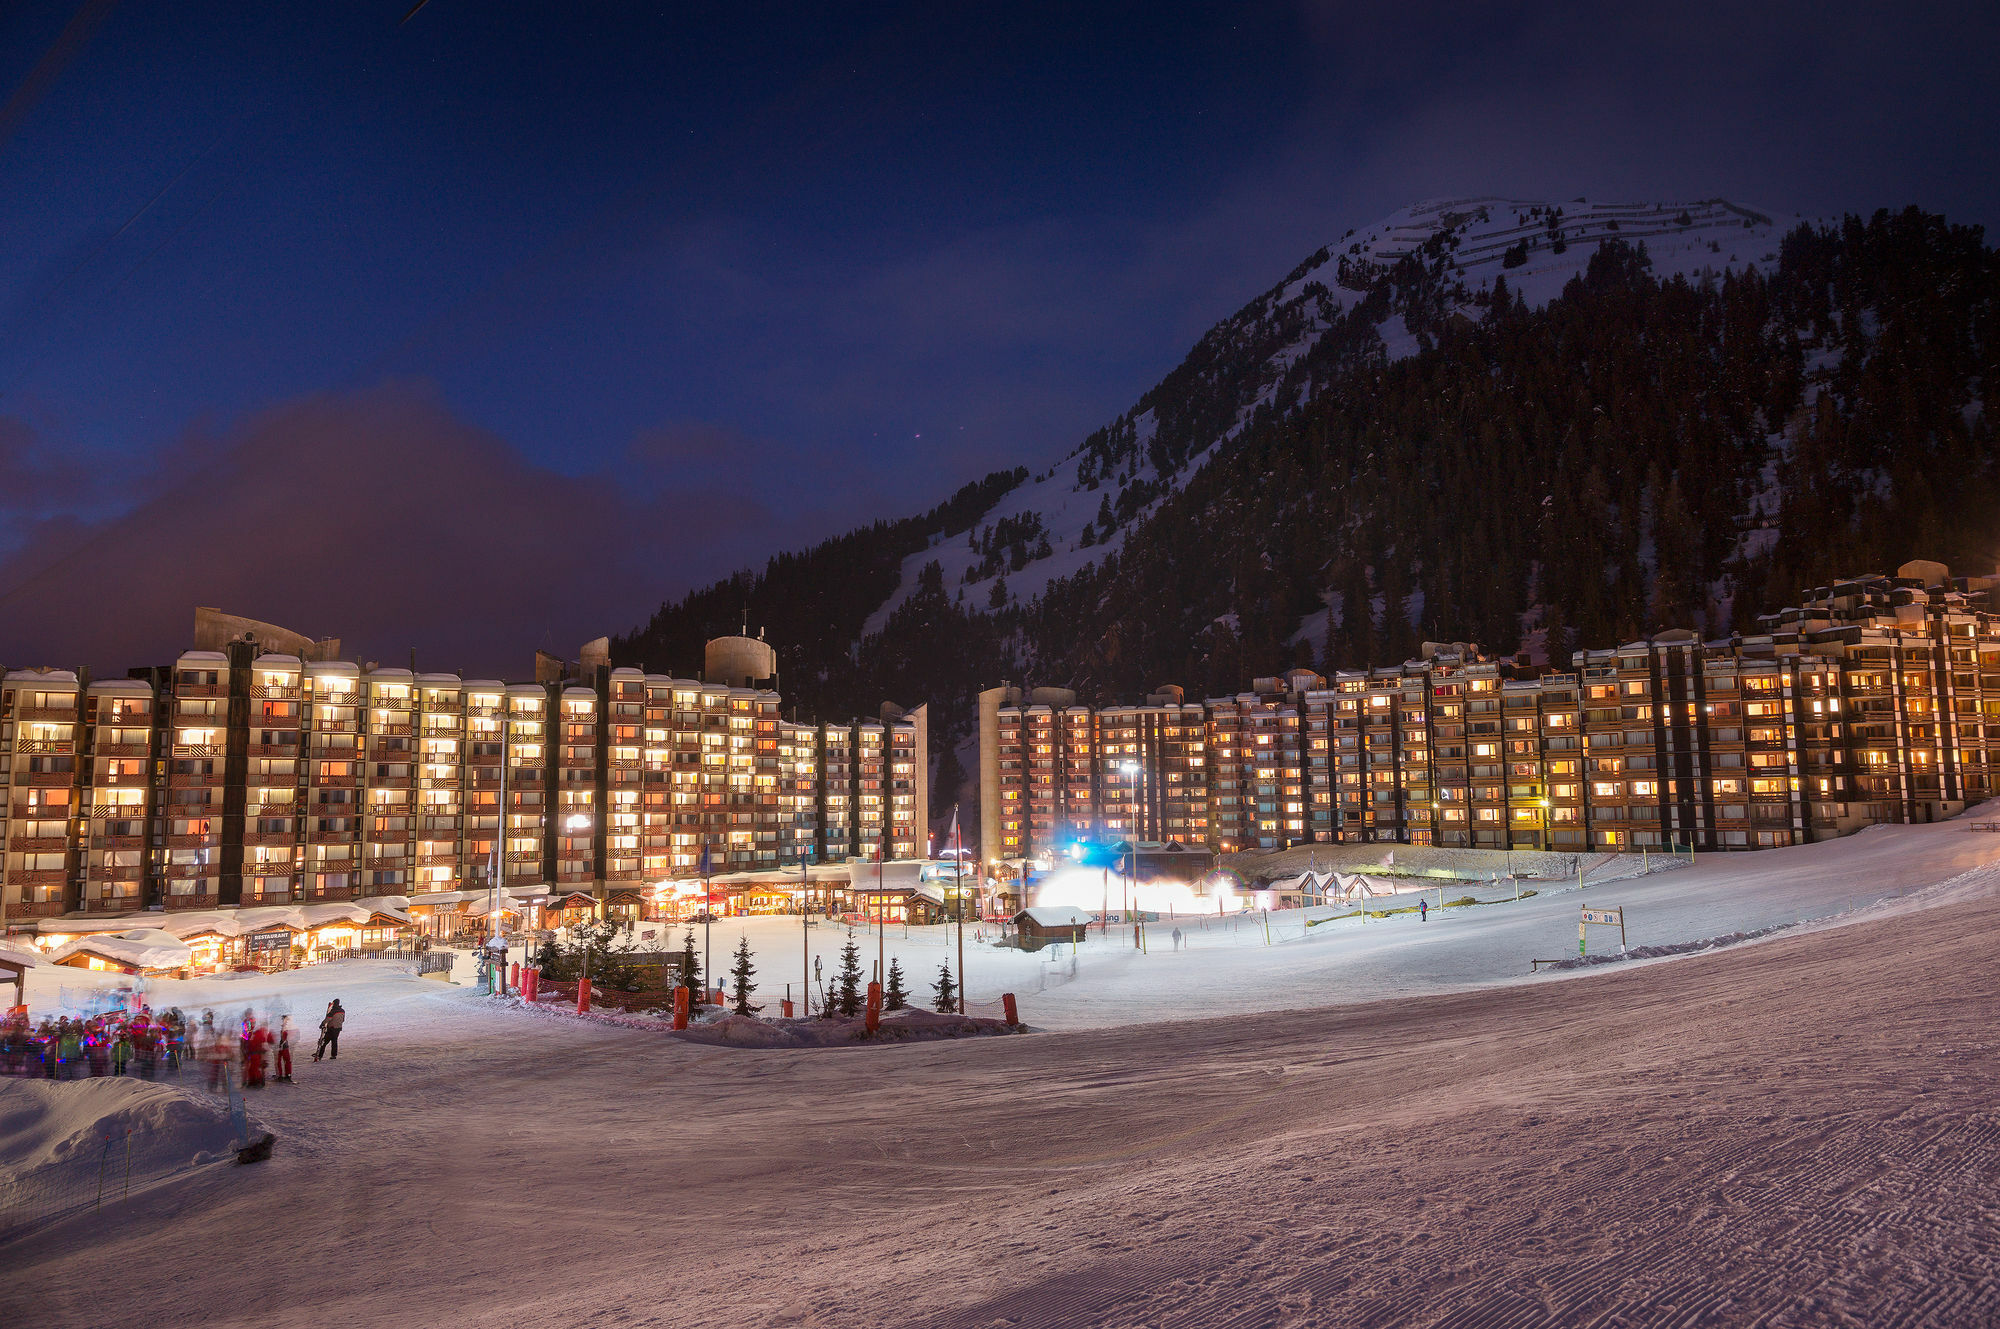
(1413, 420)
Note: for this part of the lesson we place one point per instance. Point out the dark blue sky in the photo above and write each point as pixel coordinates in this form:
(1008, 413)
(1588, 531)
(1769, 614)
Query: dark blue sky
(596, 301)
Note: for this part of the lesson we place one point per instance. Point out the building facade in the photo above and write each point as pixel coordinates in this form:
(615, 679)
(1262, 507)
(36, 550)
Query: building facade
(1875, 701)
(245, 776)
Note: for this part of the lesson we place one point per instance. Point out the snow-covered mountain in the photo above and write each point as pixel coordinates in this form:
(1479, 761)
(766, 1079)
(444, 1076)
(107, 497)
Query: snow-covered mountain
(1053, 525)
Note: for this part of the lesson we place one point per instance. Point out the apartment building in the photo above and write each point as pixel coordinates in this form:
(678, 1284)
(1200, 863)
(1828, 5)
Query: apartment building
(1868, 703)
(246, 775)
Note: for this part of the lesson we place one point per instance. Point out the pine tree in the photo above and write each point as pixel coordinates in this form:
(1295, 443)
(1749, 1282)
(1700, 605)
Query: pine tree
(894, 998)
(944, 996)
(742, 973)
(850, 978)
(690, 968)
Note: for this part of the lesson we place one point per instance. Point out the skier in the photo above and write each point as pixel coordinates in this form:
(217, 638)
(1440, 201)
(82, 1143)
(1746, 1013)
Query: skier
(1177, 938)
(329, 1031)
(283, 1070)
(121, 1052)
(1423, 911)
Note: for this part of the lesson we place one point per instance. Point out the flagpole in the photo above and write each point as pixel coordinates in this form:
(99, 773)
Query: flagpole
(708, 917)
(805, 936)
(881, 912)
(958, 874)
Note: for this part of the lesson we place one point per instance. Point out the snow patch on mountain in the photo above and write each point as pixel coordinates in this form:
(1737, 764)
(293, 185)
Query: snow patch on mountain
(1465, 245)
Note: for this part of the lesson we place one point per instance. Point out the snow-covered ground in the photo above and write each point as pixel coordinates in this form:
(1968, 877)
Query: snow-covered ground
(1408, 1130)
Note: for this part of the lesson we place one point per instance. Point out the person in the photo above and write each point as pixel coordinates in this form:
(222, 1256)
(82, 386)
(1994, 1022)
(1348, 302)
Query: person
(283, 1068)
(329, 1031)
(1423, 911)
(121, 1052)
(214, 1050)
(255, 1037)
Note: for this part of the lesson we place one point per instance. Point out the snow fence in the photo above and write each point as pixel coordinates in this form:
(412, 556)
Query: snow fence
(67, 1146)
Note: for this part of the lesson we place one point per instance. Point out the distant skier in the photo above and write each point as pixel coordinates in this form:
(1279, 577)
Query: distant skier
(283, 1067)
(1177, 938)
(329, 1031)
(1423, 911)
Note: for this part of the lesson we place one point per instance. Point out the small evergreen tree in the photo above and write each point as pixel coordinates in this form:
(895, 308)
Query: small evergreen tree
(741, 973)
(850, 978)
(894, 997)
(551, 961)
(690, 967)
(944, 996)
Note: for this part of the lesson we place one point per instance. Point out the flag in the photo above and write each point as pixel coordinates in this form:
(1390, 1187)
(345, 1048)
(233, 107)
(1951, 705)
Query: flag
(707, 863)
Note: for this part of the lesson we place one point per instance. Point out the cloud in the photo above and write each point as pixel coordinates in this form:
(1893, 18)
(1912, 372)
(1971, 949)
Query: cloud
(379, 517)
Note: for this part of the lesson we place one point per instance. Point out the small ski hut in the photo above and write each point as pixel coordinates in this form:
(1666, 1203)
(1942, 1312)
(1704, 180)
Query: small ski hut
(1044, 923)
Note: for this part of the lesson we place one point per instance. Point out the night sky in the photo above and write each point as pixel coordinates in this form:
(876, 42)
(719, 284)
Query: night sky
(490, 329)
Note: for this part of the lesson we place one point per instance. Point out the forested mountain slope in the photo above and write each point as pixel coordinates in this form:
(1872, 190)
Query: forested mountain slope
(1456, 438)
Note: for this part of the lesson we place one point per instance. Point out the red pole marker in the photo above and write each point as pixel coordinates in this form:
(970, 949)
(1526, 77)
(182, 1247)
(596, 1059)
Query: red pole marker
(1007, 1004)
(582, 996)
(515, 974)
(786, 1007)
(874, 1007)
(681, 1008)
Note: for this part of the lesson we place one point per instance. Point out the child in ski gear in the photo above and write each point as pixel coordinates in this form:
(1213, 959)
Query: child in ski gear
(284, 1055)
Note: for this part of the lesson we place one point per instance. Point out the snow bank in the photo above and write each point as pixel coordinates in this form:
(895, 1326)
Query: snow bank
(61, 1140)
(746, 1031)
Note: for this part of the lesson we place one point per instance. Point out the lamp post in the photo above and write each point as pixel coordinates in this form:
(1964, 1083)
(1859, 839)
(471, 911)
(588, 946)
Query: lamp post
(1134, 788)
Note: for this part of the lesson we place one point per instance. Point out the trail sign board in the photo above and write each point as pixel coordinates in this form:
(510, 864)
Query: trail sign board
(1614, 917)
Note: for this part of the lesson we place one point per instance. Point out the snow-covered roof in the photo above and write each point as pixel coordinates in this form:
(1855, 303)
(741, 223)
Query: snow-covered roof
(1057, 916)
(24, 956)
(143, 948)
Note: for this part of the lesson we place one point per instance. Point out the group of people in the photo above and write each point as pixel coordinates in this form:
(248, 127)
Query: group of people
(141, 1043)
(137, 1043)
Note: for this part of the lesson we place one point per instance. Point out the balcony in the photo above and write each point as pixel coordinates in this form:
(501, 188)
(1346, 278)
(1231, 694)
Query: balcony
(39, 877)
(117, 842)
(46, 779)
(274, 692)
(201, 689)
(331, 893)
(279, 896)
(276, 839)
(393, 730)
(45, 747)
(38, 844)
(53, 714)
(386, 862)
(36, 909)
(121, 750)
(281, 751)
(193, 841)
